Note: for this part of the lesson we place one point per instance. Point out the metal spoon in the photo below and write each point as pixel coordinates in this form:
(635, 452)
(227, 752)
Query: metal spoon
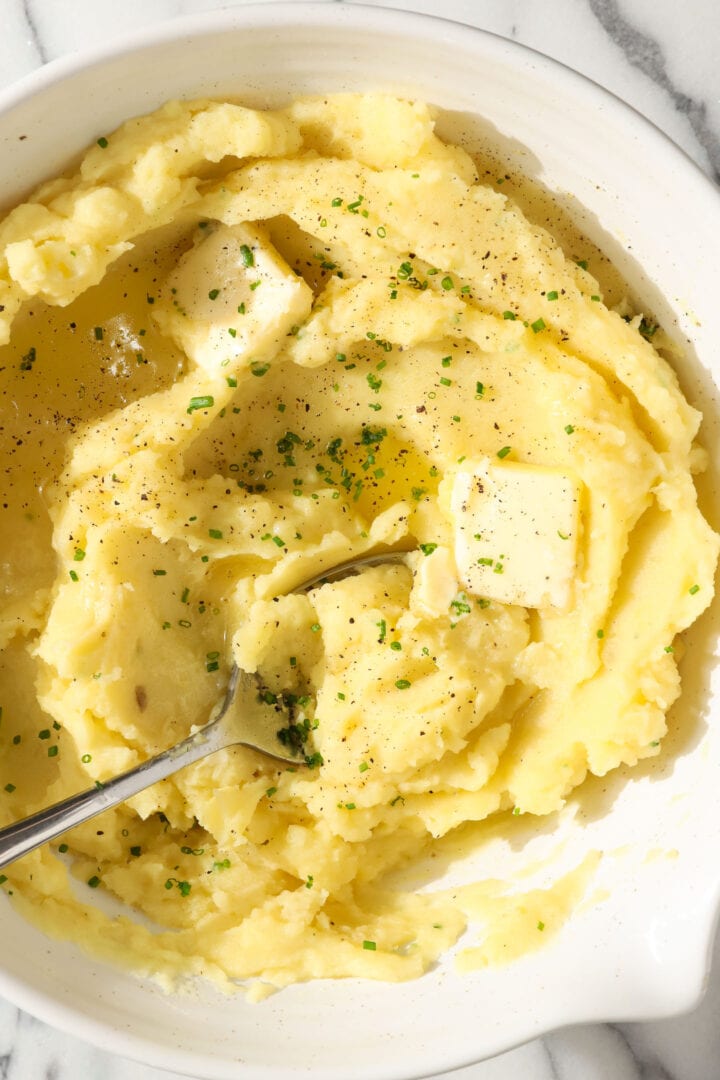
(243, 718)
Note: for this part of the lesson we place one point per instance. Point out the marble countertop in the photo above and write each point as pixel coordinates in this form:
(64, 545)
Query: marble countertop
(661, 57)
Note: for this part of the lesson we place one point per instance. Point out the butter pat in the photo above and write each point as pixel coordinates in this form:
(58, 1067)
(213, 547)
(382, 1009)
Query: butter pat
(516, 532)
(434, 583)
(232, 298)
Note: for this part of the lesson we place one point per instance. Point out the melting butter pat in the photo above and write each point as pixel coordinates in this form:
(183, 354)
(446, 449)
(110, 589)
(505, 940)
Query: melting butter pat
(516, 532)
(232, 298)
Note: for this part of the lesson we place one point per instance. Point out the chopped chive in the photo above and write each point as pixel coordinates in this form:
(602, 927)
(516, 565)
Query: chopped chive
(204, 401)
(552, 295)
(504, 452)
(510, 316)
(537, 326)
(693, 589)
(370, 436)
(94, 881)
(102, 142)
(371, 946)
(28, 359)
(73, 576)
(52, 751)
(62, 848)
(213, 294)
(248, 259)
(10, 788)
(647, 329)
(427, 549)
(86, 758)
(98, 333)
(363, 766)
(569, 429)
(215, 534)
(402, 684)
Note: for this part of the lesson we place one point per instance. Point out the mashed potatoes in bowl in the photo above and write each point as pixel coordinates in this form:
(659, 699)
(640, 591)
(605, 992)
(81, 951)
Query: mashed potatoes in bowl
(420, 836)
(242, 346)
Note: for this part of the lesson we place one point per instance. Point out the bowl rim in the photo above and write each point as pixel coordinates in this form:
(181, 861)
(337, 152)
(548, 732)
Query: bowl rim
(283, 14)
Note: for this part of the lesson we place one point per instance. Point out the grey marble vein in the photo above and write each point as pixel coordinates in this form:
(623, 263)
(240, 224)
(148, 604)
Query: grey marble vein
(644, 52)
(593, 1052)
(27, 10)
(7, 1055)
(649, 1067)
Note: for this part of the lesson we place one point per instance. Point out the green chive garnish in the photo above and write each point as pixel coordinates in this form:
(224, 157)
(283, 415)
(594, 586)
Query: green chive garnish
(204, 401)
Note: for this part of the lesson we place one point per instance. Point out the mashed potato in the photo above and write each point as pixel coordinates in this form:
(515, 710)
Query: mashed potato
(247, 346)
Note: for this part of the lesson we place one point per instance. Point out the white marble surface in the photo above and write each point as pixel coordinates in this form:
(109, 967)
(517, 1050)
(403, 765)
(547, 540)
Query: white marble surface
(659, 55)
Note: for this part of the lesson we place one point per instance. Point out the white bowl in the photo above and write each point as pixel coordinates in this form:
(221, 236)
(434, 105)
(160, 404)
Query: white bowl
(643, 950)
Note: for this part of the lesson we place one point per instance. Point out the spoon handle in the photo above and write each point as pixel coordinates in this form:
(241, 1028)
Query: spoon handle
(30, 832)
